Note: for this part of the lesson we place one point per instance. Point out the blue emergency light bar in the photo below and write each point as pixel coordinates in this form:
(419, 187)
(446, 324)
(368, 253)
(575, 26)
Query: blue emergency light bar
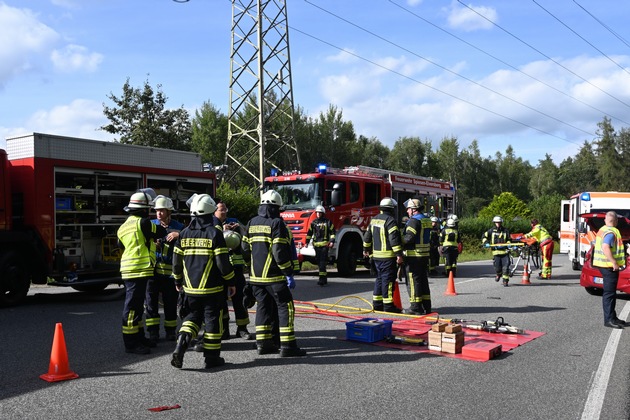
(585, 196)
(321, 169)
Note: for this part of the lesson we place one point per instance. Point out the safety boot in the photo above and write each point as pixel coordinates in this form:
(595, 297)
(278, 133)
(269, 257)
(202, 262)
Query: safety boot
(170, 334)
(226, 329)
(212, 362)
(292, 352)
(266, 347)
(391, 308)
(244, 334)
(505, 283)
(180, 349)
(154, 337)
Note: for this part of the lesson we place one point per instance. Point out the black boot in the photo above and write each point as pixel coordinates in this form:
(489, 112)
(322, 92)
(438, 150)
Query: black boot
(292, 351)
(212, 359)
(180, 349)
(391, 308)
(266, 347)
(170, 334)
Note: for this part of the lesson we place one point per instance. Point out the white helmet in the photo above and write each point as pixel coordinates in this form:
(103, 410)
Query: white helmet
(139, 200)
(435, 219)
(271, 197)
(162, 202)
(202, 205)
(413, 203)
(450, 223)
(232, 239)
(320, 209)
(454, 217)
(497, 219)
(389, 203)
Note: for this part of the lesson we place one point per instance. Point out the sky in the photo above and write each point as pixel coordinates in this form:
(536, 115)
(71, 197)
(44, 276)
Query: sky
(537, 75)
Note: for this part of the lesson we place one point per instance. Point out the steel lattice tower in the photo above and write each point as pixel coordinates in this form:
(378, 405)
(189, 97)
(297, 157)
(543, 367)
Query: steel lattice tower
(261, 116)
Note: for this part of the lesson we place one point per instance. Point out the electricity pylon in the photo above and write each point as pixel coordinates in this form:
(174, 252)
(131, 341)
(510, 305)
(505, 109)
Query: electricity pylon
(261, 116)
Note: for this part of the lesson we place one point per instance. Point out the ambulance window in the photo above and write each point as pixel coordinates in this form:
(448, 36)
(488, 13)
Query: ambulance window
(565, 212)
(372, 194)
(354, 192)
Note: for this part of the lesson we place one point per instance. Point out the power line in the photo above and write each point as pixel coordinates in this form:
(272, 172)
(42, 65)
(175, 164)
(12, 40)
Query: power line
(447, 69)
(581, 37)
(619, 37)
(508, 64)
(432, 87)
(543, 54)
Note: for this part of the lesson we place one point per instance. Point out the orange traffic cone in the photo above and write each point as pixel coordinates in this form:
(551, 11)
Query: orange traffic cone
(525, 279)
(396, 297)
(58, 370)
(450, 286)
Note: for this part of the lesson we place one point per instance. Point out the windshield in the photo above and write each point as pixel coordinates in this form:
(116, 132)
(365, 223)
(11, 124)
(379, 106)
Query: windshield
(298, 195)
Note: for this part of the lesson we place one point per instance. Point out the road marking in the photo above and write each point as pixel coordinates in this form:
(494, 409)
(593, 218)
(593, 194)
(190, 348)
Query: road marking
(595, 400)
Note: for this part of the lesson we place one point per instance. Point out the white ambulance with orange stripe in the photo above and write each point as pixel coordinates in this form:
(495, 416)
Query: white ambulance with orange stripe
(575, 235)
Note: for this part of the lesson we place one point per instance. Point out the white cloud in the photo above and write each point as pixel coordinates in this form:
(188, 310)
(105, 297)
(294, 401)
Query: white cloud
(343, 57)
(75, 58)
(23, 40)
(464, 19)
(414, 2)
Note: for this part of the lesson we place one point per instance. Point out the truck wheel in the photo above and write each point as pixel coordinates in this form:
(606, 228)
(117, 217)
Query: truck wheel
(347, 261)
(595, 291)
(14, 281)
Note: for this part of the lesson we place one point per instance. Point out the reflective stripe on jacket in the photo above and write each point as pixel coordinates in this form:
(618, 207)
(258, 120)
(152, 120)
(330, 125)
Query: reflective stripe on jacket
(322, 231)
(417, 236)
(382, 237)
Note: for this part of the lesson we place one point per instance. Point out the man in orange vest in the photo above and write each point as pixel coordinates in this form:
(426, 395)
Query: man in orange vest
(545, 240)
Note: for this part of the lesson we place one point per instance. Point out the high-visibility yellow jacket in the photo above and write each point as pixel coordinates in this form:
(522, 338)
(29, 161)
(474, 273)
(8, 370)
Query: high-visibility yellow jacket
(382, 238)
(599, 259)
(137, 235)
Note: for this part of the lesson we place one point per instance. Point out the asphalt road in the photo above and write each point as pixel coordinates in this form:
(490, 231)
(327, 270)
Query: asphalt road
(577, 369)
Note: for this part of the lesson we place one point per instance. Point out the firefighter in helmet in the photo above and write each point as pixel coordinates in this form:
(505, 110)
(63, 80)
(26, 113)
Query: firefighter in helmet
(415, 239)
(268, 245)
(450, 242)
(202, 268)
(496, 238)
(136, 236)
(383, 241)
(322, 231)
(162, 283)
(434, 245)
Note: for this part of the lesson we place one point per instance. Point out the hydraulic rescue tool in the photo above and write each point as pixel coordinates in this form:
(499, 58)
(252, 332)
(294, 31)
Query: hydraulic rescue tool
(497, 326)
(398, 339)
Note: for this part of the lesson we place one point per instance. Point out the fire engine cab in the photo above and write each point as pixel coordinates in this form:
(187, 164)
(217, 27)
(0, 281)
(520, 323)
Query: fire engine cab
(351, 197)
(575, 234)
(62, 201)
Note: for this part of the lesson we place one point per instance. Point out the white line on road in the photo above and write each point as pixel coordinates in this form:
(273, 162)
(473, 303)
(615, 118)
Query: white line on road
(595, 400)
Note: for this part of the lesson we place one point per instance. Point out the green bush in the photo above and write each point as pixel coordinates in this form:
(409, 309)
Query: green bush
(242, 202)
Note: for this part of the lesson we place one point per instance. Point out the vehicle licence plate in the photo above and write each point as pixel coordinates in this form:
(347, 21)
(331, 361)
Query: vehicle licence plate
(598, 280)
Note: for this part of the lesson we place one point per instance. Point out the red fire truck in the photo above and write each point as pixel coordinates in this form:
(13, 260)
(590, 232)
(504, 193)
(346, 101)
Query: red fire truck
(62, 200)
(351, 197)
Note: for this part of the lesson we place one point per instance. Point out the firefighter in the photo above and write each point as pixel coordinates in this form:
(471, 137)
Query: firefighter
(499, 234)
(136, 237)
(323, 233)
(545, 240)
(162, 282)
(450, 242)
(434, 246)
(415, 239)
(268, 245)
(233, 233)
(201, 267)
(382, 240)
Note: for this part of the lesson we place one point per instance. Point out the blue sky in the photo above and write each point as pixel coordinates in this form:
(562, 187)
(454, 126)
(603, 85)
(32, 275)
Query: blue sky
(536, 75)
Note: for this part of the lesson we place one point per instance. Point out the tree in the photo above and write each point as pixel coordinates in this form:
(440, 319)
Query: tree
(547, 209)
(513, 174)
(209, 134)
(578, 173)
(371, 152)
(544, 180)
(139, 117)
(408, 156)
(609, 164)
(507, 206)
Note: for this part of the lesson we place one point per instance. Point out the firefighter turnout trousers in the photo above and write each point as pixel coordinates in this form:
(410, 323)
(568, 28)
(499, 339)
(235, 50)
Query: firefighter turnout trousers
(386, 270)
(274, 305)
(164, 285)
(241, 314)
(132, 325)
(206, 309)
(321, 254)
(419, 292)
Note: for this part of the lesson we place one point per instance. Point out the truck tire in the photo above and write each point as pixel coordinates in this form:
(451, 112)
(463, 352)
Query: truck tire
(91, 288)
(15, 280)
(595, 291)
(347, 259)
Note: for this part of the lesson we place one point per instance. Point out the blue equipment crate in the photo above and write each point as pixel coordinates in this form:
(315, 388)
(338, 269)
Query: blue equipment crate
(63, 203)
(368, 330)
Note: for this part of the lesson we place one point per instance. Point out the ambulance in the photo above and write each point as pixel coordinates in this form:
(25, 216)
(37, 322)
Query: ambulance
(575, 234)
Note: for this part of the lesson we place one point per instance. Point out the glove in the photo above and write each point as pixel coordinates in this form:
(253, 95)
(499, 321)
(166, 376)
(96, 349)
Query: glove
(291, 282)
(486, 245)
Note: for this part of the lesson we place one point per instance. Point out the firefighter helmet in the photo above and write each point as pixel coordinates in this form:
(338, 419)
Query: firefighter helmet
(139, 200)
(162, 202)
(435, 219)
(413, 203)
(320, 209)
(454, 217)
(450, 223)
(232, 239)
(271, 197)
(202, 205)
(388, 203)
(497, 219)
